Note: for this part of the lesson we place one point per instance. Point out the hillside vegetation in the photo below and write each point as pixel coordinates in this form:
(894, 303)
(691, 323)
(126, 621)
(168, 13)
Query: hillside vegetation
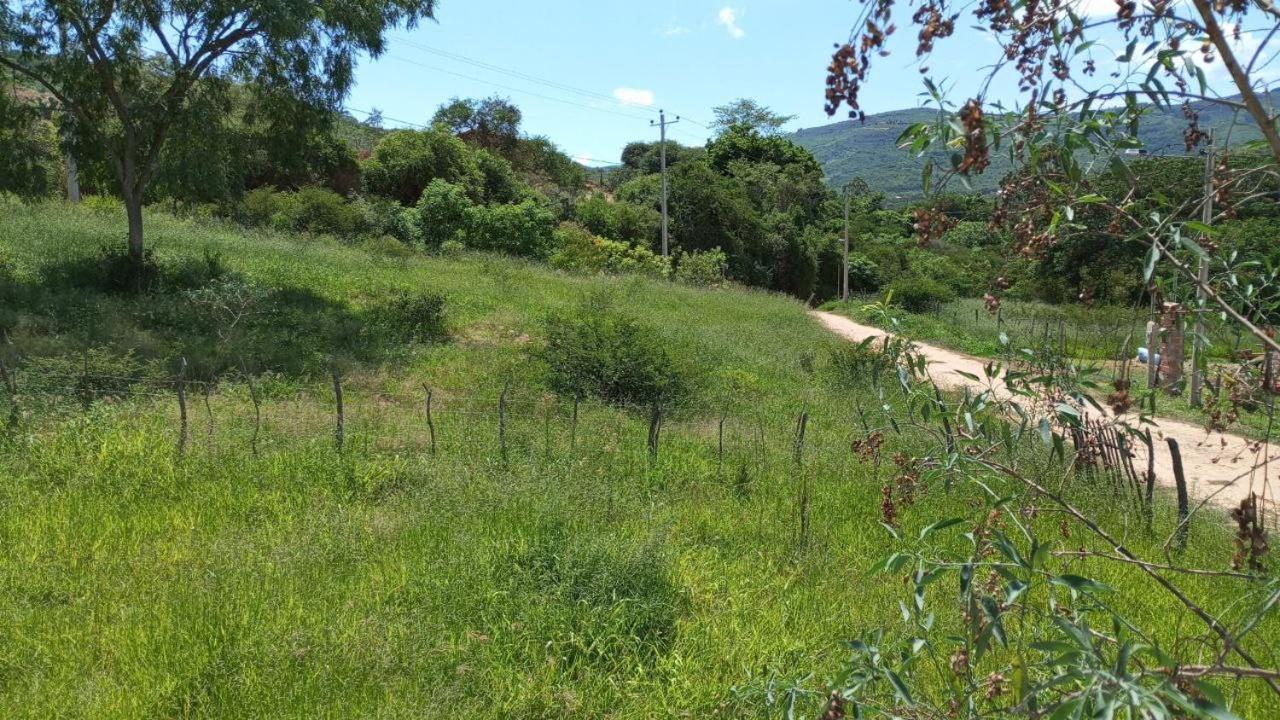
(869, 149)
(544, 560)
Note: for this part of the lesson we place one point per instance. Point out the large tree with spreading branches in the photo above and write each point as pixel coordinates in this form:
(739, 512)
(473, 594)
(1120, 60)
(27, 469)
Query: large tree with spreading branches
(127, 74)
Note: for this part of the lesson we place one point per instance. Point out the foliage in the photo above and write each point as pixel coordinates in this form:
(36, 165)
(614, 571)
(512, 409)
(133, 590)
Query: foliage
(442, 214)
(750, 115)
(620, 221)
(131, 76)
(646, 157)
(704, 269)
(29, 163)
(310, 209)
(526, 229)
(412, 317)
(578, 249)
(600, 350)
(492, 123)
(919, 293)
(864, 274)
(743, 144)
(405, 161)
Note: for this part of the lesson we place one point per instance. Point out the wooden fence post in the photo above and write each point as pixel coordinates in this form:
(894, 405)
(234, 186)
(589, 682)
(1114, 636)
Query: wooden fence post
(11, 387)
(1151, 473)
(182, 405)
(208, 409)
(573, 424)
(802, 428)
(1184, 503)
(655, 428)
(431, 425)
(340, 429)
(502, 420)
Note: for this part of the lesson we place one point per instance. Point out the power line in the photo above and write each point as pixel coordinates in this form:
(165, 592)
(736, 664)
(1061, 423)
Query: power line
(458, 57)
(512, 89)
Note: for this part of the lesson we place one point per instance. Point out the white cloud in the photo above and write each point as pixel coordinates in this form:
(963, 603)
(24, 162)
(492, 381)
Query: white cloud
(674, 30)
(728, 17)
(633, 96)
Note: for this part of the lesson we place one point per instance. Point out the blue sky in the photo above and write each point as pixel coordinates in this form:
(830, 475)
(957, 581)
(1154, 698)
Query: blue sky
(613, 64)
(686, 57)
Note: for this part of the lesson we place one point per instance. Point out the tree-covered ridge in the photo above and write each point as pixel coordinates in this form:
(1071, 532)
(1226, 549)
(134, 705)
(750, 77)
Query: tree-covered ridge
(869, 149)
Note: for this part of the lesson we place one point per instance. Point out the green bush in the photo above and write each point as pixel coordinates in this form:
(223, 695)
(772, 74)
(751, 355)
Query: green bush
(578, 249)
(599, 351)
(919, 294)
(701, 268)
(864, 274)
(310, 209)
(526, 229)
(440, 215)
(619, 221)
(411, 317)
(405, 161)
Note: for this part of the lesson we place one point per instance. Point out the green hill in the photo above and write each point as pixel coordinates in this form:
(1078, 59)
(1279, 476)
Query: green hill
(868, 149)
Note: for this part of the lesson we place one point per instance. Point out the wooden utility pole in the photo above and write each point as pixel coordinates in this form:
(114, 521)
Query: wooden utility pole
(1197, 340)
(662, 124)
(844, 276)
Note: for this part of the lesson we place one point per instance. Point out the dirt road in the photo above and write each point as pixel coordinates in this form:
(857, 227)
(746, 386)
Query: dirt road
(1217, 467)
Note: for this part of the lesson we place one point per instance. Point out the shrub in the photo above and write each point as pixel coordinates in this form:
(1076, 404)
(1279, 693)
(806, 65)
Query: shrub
(320, 210)
(411, 317)
(701, 268)
(405, 161)
(919, 294)
(864, 274)
(440, 215)
(102, 204)
(383, 216)
(452, 248)
(387, 247)
(525, 229)
(618, 220)
(578, 249)
(311, 209)
(602, 352)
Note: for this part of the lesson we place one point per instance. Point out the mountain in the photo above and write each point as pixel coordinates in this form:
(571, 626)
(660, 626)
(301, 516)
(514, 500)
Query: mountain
(869, 150)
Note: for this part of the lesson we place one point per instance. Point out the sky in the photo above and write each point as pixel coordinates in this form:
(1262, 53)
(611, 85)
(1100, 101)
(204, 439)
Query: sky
(591, 75)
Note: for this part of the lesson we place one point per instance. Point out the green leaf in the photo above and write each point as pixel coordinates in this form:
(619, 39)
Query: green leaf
(940, 525)
(1080, 584)
(899, 687)
(1153, 257)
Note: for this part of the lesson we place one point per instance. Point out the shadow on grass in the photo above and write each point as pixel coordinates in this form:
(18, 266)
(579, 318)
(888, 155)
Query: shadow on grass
(76, 315)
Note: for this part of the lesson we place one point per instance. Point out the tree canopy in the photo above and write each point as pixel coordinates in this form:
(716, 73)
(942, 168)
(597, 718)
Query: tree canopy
(749, 114)
(123, 101)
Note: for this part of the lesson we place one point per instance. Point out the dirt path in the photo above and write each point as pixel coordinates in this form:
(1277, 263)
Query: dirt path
(1217, 467)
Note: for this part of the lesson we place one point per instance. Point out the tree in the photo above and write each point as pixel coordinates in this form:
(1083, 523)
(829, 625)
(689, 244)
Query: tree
(404, 162)
(492, 123)
(123, 101)
(748, 114)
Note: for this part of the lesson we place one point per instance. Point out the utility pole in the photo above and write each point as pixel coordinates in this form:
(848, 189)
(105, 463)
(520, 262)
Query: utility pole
(662, 123)
(844, 275)
(1197, 340)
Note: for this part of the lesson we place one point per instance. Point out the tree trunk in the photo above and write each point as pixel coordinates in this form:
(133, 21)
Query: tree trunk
(133, 209)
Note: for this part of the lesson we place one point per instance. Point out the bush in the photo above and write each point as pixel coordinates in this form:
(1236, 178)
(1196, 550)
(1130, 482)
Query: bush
(405, 161)
(864, 275)
(705, 269)
(440, 215)
(411, 317)
(526, 229)
(311, 209)
(578, 249)
(383, 216)
(602, 352)
(919, 294)
(619, 221)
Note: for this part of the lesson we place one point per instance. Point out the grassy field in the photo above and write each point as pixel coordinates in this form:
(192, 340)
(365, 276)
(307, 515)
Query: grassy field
(1095, 337)
(545, 569)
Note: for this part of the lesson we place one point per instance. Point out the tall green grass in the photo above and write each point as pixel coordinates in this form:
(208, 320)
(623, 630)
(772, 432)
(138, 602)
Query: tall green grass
(574, 578)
